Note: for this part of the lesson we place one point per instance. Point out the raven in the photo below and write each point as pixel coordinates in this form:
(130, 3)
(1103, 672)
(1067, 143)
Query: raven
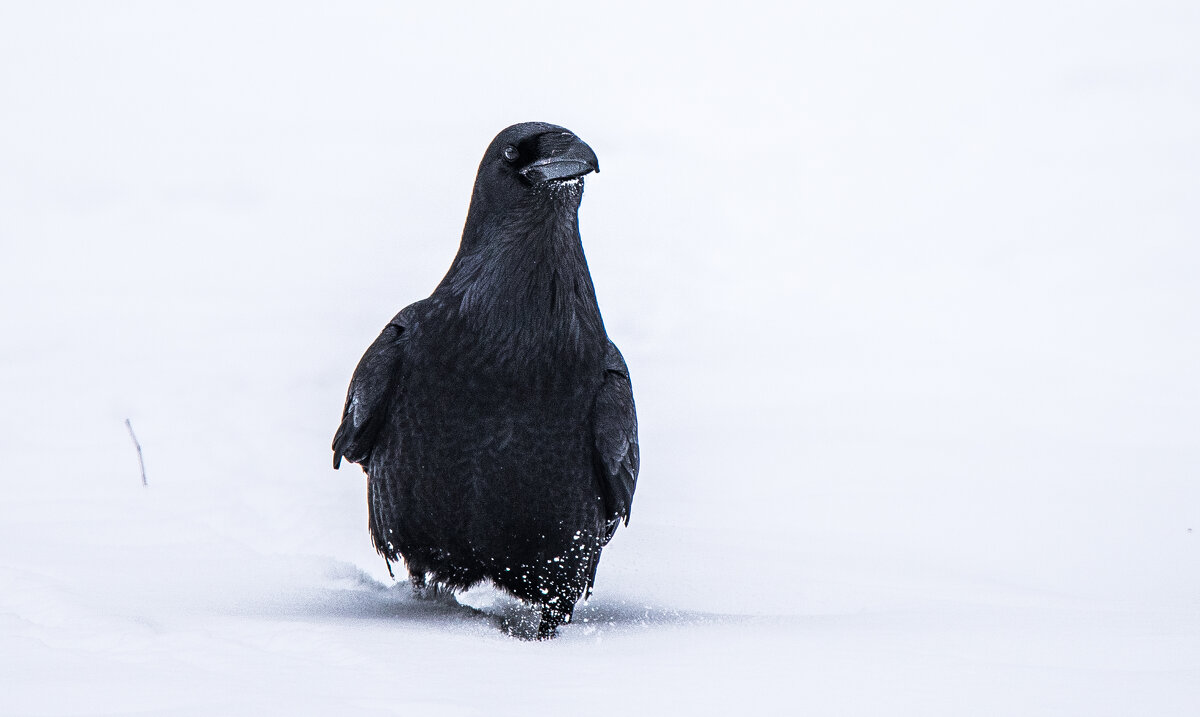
(495, 419)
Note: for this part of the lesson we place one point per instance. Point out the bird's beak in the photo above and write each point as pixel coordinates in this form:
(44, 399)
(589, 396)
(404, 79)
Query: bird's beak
(564, 156)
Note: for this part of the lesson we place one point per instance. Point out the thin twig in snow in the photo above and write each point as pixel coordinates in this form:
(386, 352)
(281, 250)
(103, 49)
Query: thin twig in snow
(138, 446)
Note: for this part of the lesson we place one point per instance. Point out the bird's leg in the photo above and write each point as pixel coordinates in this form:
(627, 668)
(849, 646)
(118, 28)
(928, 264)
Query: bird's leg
(417, 580)
(553, 614)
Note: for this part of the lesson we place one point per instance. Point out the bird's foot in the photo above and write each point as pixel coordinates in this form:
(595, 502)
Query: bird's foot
(434, 592)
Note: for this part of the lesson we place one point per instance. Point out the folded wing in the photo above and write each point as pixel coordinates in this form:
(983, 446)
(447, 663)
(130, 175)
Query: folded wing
(614, 421)
(370, 394)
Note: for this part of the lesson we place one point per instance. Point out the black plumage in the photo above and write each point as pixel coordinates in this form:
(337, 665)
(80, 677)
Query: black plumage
(495, 419)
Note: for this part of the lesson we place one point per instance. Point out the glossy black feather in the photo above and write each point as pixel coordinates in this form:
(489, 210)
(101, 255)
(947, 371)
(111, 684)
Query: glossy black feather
(615, 428)
(495, 420)
(370, 393)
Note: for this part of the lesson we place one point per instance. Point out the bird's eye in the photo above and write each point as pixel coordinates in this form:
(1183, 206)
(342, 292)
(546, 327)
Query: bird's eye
(511, 153)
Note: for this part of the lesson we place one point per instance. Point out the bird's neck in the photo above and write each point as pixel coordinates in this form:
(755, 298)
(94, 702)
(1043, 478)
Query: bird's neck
(521, 283)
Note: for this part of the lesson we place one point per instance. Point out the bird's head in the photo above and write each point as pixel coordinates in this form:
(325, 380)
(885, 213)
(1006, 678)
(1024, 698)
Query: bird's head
(533, 160)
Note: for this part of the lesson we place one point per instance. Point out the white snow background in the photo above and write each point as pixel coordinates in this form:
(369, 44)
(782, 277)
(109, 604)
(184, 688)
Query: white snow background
(908, 292)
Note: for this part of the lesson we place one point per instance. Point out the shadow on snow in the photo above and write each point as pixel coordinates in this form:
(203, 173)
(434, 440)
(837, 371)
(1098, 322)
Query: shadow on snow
(354, 595)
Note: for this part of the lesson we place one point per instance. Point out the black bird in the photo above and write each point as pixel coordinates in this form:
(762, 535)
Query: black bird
(495, 419)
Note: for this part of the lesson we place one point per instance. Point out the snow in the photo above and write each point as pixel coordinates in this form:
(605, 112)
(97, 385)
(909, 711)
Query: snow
(907, 294)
